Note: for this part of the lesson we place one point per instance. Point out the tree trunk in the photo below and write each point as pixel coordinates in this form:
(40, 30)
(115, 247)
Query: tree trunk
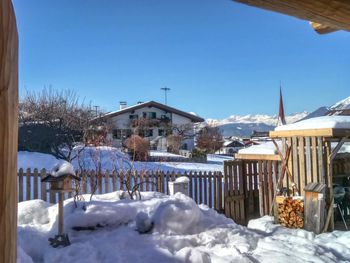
(8, 131)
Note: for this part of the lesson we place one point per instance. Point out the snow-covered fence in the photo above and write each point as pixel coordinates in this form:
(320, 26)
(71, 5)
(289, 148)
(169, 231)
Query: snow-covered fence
(205, 187)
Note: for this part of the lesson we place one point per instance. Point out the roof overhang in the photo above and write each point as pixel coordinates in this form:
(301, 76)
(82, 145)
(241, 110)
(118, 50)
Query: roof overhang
(325, 15)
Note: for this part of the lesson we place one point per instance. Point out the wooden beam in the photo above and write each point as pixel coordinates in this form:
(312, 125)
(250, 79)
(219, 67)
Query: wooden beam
(326, 132)
(8, 131)
(329, 13)
(265, 157)
(322, 29)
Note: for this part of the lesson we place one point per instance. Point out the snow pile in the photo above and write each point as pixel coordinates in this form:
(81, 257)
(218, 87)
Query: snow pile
(264, 148)
(62, 168)
(335, 122)
(182, 179)
(162, 228)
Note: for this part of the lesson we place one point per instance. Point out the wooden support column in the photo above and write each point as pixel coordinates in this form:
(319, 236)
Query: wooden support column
(8, 131)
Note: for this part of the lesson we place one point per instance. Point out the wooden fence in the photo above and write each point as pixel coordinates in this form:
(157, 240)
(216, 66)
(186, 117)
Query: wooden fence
(250, 185)
(246, 183)
(205, 187)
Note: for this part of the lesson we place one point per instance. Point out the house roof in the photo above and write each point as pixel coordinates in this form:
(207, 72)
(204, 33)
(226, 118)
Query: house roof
(164, 107)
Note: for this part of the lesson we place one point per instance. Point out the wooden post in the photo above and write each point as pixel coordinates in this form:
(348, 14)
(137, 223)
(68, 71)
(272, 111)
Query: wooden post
(8, 131)
(60, 213)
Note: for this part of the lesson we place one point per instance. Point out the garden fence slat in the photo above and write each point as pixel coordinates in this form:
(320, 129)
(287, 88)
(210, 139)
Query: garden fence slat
(35, 178)
(20, 185)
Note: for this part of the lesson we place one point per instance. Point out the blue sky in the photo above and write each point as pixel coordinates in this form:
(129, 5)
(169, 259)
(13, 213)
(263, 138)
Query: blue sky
(218, 57)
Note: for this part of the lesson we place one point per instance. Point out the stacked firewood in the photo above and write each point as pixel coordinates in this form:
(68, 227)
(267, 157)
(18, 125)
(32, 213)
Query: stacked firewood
(291, 213)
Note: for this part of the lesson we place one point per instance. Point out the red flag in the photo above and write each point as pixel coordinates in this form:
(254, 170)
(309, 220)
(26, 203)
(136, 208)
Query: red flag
(281, 116)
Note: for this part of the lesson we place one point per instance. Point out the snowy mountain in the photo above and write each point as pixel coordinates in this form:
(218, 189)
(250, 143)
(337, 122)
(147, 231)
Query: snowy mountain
(342, 105)
(243, 126)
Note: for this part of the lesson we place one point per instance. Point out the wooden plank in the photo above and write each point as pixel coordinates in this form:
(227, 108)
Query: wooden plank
(272, 157)
(261, 188)
(334, 14)
(107, 182)
(191, 184)
(329, 175)
(226, 203)
(28, 183)
(250, 189)
(256, 185)
(295, 161)
(242, 183)
(321, 166)
(236, 191)
(99, 176)
(327, 132)
(289, 166)
(196, 186)
(220, 192)
(167, 182)
(231, 206)
(314, 160)
(271, 190)
(266, 189)
(20, 185)
(36, 190)
(211, 192)
(114, 181)
(43, 185)
(302, 164)
(308, 160)
(8, 132)
(200, 182)
(205, 189)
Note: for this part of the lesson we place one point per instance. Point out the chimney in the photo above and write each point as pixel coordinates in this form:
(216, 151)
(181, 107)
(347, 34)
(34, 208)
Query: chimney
(122, 105)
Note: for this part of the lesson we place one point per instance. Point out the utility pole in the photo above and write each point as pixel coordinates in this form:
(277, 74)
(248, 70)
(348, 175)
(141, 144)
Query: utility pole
(96, 110)
(166, 90)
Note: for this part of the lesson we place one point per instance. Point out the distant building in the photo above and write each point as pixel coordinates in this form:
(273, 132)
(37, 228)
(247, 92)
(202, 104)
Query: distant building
(230, 147)
(153, 121)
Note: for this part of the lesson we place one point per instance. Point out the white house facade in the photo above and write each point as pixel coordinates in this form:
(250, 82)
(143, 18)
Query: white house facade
(153, 121)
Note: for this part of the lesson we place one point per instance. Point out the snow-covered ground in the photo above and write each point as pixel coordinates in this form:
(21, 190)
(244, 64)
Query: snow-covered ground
(181, 232)
(112, 159)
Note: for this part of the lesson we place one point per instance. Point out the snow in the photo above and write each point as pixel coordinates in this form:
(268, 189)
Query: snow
(216, 158)
(256, 118)
(264, 148)
(160, 228)
(62, 168)
(90, 158)
(182, 179)
(342, 105)
(164, 154)
(335, 122)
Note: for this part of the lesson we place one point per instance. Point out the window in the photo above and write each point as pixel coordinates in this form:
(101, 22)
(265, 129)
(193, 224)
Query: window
(133, 116)
(121, 134)
(149, 115)
(148, 133)
(161, 132)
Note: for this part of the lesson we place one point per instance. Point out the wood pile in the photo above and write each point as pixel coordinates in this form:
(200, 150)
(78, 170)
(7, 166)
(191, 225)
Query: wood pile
(291, 212)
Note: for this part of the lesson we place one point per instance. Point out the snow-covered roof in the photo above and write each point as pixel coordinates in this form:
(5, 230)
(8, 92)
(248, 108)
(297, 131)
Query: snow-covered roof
(191, 116)
(264, 148)
(320, 126)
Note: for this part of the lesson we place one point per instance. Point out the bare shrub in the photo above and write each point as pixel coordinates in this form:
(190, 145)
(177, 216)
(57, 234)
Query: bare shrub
(138, 146)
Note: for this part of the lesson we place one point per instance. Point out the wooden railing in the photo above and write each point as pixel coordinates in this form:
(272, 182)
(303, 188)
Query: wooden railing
(205, 187)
